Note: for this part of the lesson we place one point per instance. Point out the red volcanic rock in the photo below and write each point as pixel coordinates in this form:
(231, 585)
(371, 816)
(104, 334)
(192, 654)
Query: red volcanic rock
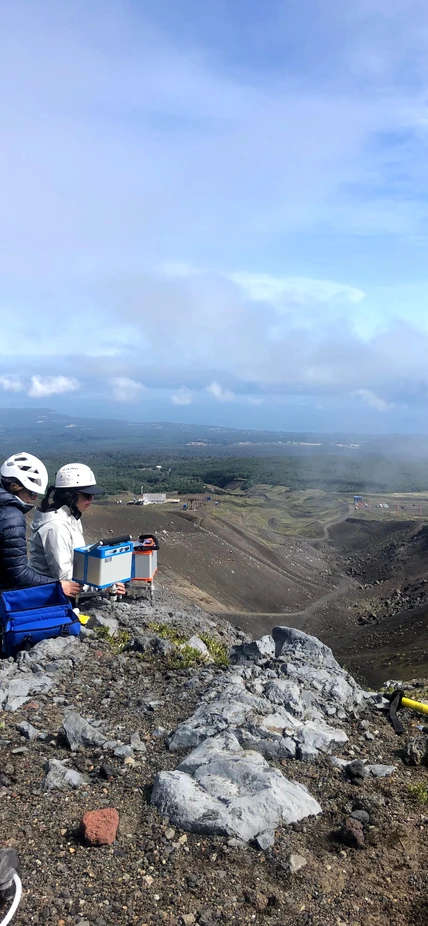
(99, 827)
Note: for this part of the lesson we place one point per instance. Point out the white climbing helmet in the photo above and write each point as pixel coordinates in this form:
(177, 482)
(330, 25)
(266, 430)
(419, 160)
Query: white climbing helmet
(77, 476)
(30, 471)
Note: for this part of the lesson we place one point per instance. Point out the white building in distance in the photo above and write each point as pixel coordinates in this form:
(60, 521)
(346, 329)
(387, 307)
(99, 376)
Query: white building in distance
(154, 498)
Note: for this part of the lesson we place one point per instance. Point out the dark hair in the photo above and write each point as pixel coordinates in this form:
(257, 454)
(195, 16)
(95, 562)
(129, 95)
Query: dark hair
(12, 485)
(59, 498)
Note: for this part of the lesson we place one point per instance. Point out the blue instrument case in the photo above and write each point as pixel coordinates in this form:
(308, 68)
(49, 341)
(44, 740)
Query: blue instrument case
(28, 615)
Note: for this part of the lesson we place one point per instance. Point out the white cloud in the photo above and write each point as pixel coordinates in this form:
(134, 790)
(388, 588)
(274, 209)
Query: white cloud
(12, 383)
(303, 299)
(183, 396)
(372, 400)
(220, 394)
(125, 389)
(43, 386)
(206, 330)
(282, 292)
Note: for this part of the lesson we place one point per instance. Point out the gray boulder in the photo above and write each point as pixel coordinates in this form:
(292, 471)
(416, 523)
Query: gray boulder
(20, 689)
(230, 706)
(137, 743)
(209, 750)
(278, 722)
(286, 693)
(306, 753)
(78, 732)
(57, 647)
(222, 790)
(253, 713)
(253, 651)
(124, 752)
(267, 714)
(416, 751)
(271, 747)
(60, 778)
(326, 684)
(27, 730)
(289, 640)
(380, 771)
(339, 763)
(320, 736)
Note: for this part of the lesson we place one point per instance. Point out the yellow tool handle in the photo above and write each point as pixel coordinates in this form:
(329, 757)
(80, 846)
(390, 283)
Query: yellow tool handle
(414, 705)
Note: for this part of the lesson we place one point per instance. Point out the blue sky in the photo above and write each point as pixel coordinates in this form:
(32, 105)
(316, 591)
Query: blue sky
(216, 212)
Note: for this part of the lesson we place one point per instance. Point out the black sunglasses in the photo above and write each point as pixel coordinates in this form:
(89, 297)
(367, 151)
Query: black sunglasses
(87, 495)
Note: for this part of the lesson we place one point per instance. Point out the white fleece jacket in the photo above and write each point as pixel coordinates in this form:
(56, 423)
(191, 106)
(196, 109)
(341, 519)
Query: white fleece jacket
(54, 536)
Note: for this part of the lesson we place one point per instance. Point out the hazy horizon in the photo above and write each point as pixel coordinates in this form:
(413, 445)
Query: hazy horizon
(187, 421)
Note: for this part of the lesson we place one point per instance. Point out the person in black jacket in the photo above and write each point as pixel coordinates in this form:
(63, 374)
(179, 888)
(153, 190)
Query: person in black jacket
(23, 478)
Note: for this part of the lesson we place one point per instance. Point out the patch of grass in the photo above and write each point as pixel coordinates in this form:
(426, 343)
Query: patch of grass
(167, 632)
(420, 792)
(218, 651)
(118, 642)
(187, 656)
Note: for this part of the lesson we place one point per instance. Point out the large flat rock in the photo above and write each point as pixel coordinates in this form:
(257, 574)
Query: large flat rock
(220, 789)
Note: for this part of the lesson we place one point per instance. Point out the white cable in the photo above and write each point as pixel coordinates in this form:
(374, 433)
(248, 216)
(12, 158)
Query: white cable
(16, 900)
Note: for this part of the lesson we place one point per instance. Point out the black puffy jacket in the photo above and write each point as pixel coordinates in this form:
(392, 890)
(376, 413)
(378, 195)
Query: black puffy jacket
(14, 569)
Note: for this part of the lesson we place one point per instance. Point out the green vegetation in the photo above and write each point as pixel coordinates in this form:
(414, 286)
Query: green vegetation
(276, 510)
(167, 632)
(124, 472)
(187, 656)
(219, 652)
(419, 792)
(117, 642)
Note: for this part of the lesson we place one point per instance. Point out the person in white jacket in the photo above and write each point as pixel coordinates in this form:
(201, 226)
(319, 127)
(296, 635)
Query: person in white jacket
(56, 529)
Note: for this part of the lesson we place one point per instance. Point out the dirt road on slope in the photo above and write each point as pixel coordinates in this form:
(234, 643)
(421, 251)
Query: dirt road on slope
(258, 623)
(221, 564)
(333, 587)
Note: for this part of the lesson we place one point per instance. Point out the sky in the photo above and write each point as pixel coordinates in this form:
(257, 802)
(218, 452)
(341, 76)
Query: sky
(216, 212)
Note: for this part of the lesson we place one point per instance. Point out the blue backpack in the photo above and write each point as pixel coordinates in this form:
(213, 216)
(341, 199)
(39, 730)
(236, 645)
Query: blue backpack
(28, 615)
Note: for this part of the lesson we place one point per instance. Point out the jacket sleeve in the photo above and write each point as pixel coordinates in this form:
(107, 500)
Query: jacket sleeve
(16, 571)
(58, 546)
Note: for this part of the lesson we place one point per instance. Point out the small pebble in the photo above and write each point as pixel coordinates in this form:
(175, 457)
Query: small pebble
(362, 816)
(296, 862)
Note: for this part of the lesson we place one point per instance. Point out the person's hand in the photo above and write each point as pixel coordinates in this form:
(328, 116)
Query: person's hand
(71, 589)
(120, 588)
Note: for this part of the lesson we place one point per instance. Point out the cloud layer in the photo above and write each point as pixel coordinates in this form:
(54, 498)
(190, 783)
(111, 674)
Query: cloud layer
(39, 387)
(43, 386)
(203, 206)
(125, 389)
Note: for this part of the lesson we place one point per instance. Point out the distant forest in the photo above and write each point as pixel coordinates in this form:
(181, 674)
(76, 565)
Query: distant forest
(124, 472)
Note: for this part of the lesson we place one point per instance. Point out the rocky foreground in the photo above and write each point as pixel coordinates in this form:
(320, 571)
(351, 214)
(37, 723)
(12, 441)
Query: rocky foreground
(166, 769)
